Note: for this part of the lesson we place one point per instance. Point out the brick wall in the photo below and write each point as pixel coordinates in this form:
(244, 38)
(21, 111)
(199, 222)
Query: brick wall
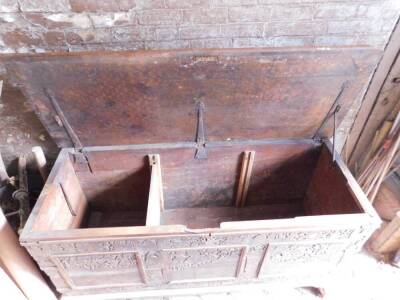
(75, 25)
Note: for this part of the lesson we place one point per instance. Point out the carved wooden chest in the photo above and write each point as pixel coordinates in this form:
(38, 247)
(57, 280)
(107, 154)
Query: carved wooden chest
(185, 169)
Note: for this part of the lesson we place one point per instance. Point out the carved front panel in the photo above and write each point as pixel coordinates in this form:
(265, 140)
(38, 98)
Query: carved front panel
(189, 260)
(295, 259)
(100, 269)
(203, 263)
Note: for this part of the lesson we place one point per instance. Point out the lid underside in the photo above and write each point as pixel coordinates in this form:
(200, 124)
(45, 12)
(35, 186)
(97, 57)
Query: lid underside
(103, 98)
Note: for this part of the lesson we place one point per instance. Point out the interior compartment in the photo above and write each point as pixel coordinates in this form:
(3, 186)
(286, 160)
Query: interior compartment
(168, 186)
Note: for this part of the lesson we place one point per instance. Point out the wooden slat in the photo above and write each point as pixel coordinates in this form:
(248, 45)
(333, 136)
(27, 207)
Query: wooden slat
(244, 180)
(378, 100)
(155, 203)
(212, 217)
(389, 239)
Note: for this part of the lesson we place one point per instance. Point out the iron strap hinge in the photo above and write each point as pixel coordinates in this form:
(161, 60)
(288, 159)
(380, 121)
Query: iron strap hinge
(337, 108)
(332, 113)
(81, 158)
(319, 139)
(62, 120)
(201, 151)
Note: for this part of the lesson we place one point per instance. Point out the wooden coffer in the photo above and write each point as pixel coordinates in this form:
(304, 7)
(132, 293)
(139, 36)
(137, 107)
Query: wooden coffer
(195, 168)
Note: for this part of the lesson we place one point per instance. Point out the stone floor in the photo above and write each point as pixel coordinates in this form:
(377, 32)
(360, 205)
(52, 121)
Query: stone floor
(361, 277)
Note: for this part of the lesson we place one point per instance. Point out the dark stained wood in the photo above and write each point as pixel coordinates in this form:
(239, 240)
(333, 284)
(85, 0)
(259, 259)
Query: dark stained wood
(281, 173)
(151, 97)
(116, 219)
(123, 107)
(328, 192)
(212, 217)
(62, 207)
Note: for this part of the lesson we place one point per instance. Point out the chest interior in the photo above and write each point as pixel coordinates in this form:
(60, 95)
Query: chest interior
(113, 188)
(197, 138)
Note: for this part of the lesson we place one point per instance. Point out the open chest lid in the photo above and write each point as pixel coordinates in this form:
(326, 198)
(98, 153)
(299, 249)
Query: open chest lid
(119, 98)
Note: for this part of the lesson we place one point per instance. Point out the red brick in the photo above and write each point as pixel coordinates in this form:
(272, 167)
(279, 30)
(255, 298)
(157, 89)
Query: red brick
(228, 3)
(102, 5)
(351, 27)
(211, 43)
(160, 17)
(329, 40)
(200, 32)
(89, 36)
(298, 28)
(186, 3)
(388, 10)
(242, 30)
(205, 16)
(167, 33)
(90, 47)
(372, 40)
(249, 14)
(286, 13)
(167, 44)
(133, 33)
(22, 38)
(54, 38)
(279, 41)
(59, 21)
(44, 5)
(336, 10)
(268, 2)
(13, 19)
(113, 19)
(245, 42)
(149, 4)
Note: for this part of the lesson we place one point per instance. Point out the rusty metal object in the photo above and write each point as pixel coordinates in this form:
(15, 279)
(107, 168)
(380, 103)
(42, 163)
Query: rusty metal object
(22, 194)
(201, 151)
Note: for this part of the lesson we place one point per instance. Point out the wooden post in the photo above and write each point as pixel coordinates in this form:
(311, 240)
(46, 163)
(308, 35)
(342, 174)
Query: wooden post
(20, 266)
(41, 162)
(4, 179)
(385, 167)
(244, 180)
(8, 287)
(155, 204)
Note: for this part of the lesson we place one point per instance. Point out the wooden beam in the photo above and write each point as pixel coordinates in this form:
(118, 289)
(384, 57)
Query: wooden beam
(41, 162)
(389, 239)
(377, 97)
(244, 180)
(155, 203)
(20, 266)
